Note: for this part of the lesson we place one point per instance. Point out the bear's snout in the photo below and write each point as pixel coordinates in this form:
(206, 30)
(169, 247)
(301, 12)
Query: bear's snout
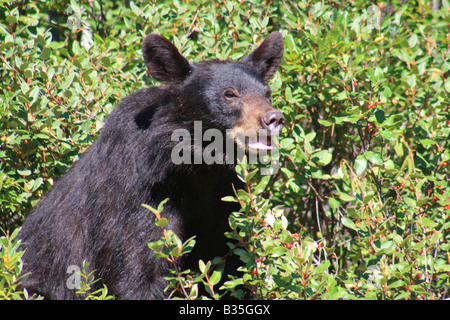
(273, 121)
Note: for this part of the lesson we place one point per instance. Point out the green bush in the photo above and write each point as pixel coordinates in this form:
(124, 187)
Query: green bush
(360, 208)
(11, 268)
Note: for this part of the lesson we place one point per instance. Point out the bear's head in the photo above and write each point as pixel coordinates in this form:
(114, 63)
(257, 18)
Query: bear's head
(229, 96)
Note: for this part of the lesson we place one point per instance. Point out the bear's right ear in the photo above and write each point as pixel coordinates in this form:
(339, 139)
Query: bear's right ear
(267, 57)
(163, 59)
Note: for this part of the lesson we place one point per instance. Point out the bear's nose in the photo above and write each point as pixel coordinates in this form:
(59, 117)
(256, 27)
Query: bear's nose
(273, 121)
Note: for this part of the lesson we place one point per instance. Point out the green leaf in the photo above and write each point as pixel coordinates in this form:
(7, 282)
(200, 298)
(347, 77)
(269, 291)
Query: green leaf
(427, 142)
(11, 19)
(24, 87)
(325, 123)
(396, 284)
(34, 94)
(162, 222)
(229, 199)
(324, 265)
(387, 92)
(373, 158)
(402, 55)
(443, 268)
(411, 81)
(161, 205)
(349, 223)
(326, 159)
(345, 197)
(368, 196)
(201, 266)
(262, 185)
(278, 251)
(45, 54)
(379, 115)
(386, 134)
(188, 245)
(447, 84)
(412, 41)
(286, 143)
(204, 268)
(150, 208)
(333, 203)
(36, 184)
(360, 165)
(135, 9)
(24, 172)
(215, 277)
(310, 136)
(397, 238)
(155, 246)
(243, 255)
(422, 160)
(427, 222)
(67, 82)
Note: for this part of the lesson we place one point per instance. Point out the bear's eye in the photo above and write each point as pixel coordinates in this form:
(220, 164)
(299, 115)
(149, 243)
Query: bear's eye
(230, 94)
(269, 94)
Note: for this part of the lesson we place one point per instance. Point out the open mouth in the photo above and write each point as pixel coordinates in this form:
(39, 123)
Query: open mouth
(254, 141)
(259, 143)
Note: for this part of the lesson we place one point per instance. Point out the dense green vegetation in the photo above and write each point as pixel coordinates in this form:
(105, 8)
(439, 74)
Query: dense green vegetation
(360, 207)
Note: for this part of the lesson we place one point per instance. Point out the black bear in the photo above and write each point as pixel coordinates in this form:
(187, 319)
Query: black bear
(94, 212)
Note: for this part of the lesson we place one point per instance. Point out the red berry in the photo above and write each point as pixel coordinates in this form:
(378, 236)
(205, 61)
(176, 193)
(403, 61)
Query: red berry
(402, 184)
(395, 188)
(354, 83)
(288, 245)
(369, 106)
(377, 103)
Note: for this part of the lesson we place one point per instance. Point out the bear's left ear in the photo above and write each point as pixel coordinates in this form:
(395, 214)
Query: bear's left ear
(165, 62)
(267, 57)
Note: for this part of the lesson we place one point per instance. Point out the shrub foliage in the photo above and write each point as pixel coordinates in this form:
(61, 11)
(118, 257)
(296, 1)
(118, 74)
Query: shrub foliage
(360, 207)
